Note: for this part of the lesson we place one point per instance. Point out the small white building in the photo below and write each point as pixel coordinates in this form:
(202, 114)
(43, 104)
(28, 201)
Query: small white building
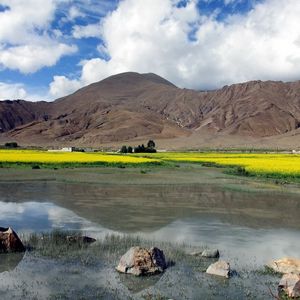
(68, 149)
(64, 149)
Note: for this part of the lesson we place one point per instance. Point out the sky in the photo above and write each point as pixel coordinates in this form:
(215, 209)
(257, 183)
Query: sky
(51, 48)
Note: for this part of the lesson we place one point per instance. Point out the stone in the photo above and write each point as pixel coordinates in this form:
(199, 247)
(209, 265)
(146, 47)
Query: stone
(220, 268)
(9, 241)
(290, 285)
(195, 253)
(285, 265)
(80, 239)
(211, 253)
(141, 261)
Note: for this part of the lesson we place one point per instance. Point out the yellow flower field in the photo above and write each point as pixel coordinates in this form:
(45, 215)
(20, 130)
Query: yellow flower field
(32, 156)
(272, 164)
(259, 164)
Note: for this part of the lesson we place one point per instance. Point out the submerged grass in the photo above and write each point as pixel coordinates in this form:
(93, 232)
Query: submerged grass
(80, 267)
(56, 246)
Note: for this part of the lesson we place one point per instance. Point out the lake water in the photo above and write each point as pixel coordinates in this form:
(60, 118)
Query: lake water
(249, 227)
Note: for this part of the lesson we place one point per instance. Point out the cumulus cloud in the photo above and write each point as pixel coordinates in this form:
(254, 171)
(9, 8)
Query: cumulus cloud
(15, 91)
(30, 58)
(12, 91)
(27, 41)
(61, 86)
(197, 51)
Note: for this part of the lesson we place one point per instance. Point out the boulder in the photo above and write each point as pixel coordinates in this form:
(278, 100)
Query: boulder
(220, 268)
(9, 241)
(141, 261)
(80, 239)
(285, 265)
(211, 253)
(290, 285)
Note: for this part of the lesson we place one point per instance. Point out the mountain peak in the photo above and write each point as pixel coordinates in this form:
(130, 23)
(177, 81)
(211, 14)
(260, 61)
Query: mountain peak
(134, 78)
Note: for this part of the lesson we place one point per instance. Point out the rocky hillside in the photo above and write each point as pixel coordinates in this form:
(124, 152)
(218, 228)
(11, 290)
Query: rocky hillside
(132, 106)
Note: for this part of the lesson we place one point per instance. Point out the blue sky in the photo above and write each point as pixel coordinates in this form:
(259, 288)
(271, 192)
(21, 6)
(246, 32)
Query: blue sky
(51, 48)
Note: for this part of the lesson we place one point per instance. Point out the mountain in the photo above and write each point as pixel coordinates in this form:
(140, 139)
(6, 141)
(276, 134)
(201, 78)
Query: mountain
(132, 107)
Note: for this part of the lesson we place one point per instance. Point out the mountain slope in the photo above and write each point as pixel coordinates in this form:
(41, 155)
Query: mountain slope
(19, 112)
(133, 107)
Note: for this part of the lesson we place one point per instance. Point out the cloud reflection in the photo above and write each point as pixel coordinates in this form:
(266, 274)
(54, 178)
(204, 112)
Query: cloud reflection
(39, 217)
(241, 245)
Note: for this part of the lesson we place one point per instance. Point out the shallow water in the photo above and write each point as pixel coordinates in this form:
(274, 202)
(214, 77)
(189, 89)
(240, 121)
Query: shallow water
(251, 227)
(249, 222)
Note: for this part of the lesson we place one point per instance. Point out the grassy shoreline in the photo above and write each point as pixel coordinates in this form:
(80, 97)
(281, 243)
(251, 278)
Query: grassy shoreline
(226, 169)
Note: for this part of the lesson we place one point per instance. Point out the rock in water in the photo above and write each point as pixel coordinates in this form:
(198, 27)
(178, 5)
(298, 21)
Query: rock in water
(290, 284)
(9, 241)
(211, 253)
(220, 268)
(286, 265)
(141, 261)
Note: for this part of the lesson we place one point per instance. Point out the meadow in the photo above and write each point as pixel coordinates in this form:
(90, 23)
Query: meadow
(274, 165)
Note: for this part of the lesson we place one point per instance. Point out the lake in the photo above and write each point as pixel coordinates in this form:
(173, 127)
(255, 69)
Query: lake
(249, 221)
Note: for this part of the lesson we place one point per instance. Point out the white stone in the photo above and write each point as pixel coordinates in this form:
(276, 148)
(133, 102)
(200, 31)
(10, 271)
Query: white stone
(219, 268)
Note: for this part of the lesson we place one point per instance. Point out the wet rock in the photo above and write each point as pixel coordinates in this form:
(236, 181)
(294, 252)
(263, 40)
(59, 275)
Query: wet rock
(9, 241)
(141, 261)
(285, 265)
(80, 239)
(211, 253)
(290, 285)
(220, 268)
(207, 253)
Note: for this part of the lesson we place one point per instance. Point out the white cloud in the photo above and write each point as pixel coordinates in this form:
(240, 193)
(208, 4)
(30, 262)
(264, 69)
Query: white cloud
(153, 36)
(12, 91)
(27, 40)
(16, 91)
(30, 58)
(91, 30)
(62, 86)
(74, 13)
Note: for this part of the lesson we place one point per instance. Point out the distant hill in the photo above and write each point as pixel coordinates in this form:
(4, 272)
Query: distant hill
(132, 107)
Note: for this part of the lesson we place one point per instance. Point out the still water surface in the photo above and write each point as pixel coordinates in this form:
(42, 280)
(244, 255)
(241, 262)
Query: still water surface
(249, 228)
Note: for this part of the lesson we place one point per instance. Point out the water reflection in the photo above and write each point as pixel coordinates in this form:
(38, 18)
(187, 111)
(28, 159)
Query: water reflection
(136, 284)
(40, 217)
(241, 245)
(255, 226)
(246, 245)
(129, 208)
(9, 262)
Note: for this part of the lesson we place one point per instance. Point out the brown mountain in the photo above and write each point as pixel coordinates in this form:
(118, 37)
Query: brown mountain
(132, 107)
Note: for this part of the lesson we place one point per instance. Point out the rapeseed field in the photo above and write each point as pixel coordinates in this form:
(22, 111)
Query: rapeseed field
(45, 157)
(259, 164)
(256, 164)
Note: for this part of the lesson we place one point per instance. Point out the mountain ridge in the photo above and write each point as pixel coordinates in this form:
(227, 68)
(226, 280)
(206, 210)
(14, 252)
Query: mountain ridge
(129, 107)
